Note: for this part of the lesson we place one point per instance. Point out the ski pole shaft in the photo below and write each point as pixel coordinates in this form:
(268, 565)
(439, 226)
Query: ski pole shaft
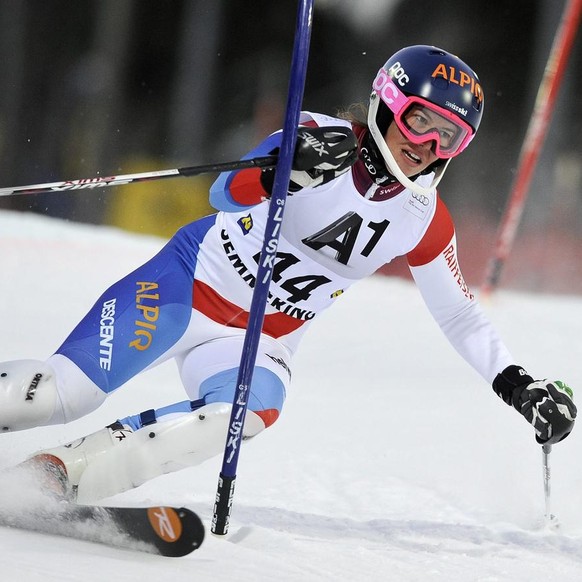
(533, 141)
(546, 450)
(105, 181)
(227, 477)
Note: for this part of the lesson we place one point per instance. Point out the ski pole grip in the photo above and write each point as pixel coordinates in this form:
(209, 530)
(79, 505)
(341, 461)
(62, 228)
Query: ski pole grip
(223, 504)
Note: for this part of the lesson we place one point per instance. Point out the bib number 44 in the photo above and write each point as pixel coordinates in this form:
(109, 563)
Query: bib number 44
(299, 288)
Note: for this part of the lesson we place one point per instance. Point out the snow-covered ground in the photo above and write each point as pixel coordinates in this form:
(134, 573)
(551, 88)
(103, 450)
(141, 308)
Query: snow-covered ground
(393, 459)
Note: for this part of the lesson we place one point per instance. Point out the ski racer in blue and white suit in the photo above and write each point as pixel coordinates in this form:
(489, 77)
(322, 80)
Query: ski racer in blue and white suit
(343, 221)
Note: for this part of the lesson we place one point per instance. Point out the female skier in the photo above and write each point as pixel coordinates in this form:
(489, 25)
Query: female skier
(361, 194)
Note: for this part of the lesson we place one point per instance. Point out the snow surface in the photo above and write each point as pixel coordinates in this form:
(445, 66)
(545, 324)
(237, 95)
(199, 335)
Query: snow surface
(393, 459)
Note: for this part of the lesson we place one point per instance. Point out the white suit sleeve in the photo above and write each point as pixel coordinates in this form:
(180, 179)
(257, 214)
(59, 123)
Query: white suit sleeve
(437, 274)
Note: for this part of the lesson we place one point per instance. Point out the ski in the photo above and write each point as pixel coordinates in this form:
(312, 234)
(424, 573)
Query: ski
(165, 531)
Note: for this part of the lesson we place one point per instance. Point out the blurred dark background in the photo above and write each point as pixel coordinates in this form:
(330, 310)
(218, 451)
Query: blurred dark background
(107, 87)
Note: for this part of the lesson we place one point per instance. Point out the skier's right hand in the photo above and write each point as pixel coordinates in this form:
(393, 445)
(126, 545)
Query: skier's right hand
(547, 405)
(321, 155)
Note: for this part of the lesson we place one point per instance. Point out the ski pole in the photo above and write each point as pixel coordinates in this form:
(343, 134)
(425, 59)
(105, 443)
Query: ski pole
(550, 518)
(102, 181)
(533, 142)
(227, 476)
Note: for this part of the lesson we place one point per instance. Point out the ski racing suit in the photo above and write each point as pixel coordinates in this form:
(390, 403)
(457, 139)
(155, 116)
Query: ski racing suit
(191, 301)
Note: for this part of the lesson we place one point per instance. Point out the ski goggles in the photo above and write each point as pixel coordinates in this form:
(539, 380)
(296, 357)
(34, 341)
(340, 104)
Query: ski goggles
(421, 121)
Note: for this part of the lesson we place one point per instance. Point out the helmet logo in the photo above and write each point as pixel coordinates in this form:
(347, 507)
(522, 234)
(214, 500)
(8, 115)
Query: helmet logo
(455, 107)
(397, 72)
(387, 91)
(385, 88)
(460, 78)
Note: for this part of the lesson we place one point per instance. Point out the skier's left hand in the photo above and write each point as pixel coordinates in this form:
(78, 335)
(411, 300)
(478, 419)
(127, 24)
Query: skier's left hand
(547, 405)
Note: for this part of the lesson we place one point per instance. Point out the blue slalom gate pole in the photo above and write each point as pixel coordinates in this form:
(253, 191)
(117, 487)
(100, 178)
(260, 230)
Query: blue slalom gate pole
(227, 477)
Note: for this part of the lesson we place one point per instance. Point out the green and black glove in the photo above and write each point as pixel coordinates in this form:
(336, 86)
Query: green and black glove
(547, 405)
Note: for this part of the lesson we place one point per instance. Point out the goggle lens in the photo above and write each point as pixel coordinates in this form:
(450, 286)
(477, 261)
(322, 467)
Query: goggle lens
(421, 122)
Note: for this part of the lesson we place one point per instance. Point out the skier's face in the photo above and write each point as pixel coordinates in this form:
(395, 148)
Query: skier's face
(412, 158)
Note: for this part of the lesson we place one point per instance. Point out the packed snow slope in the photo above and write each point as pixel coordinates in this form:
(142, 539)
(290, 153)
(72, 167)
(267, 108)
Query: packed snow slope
(393, 460)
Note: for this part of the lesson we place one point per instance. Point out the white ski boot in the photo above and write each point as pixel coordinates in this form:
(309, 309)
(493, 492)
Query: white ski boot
(116, 459)
(59, 470)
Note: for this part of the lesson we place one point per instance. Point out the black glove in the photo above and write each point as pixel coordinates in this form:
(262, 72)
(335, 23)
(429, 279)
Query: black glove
(321, 154)
(547, 405)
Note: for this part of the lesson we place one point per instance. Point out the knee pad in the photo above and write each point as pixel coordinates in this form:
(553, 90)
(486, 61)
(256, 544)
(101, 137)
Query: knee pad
(210, 371)
(28, 394)
(266, 395)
